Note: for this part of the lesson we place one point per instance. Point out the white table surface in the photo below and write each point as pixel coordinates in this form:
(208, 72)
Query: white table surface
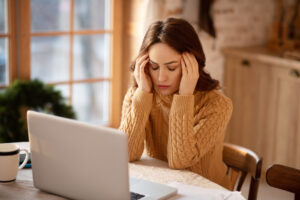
(147, 168)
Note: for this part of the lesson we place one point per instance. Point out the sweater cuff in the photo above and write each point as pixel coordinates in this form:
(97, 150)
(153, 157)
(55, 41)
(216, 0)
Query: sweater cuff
(143, 100)
(183, 104)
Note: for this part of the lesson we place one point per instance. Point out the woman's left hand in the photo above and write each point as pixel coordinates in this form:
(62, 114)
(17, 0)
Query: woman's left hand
(190, 74)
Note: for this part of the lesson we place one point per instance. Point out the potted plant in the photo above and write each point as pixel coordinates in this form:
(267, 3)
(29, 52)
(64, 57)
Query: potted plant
(24, 95)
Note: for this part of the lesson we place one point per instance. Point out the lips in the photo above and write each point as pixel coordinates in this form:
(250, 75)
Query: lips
(163, 86)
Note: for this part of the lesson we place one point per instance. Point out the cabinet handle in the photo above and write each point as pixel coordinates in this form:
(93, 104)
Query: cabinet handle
(245, 63)
(295, 73)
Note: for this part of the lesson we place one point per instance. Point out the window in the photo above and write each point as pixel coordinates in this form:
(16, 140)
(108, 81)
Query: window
(4, 41)
(73, 45)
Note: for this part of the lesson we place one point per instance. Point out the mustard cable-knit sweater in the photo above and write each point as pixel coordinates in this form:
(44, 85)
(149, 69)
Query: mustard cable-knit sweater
(187, 131)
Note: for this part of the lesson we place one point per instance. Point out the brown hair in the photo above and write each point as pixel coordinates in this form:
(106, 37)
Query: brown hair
(181, 36)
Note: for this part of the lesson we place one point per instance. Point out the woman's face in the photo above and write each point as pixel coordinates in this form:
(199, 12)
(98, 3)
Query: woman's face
(164, 68)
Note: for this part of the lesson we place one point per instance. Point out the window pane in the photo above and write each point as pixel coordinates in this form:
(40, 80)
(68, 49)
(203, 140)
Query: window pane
(65, 91)
(51, 15)
(3, 16)
(91, 102)
(91, 14)
(4, 61)
(91, 56)
(50, 58)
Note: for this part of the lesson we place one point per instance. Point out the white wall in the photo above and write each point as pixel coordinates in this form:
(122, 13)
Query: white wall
(237, 23)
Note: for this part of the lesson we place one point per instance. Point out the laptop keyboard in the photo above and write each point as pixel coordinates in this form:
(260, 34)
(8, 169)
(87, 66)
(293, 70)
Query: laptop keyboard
(135, 196)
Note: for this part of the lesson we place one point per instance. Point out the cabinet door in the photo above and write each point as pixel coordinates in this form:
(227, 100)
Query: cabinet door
(246, 82)
(287, 117)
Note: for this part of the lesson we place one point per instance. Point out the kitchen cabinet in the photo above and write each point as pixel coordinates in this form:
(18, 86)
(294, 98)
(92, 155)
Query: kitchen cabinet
(265, 91)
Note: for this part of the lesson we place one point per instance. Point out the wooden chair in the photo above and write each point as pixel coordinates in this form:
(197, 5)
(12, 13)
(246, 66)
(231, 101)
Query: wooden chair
(242, 161)
(285, 178)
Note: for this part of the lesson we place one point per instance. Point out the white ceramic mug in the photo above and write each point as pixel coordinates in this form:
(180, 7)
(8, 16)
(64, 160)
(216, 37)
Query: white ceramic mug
(9, 161)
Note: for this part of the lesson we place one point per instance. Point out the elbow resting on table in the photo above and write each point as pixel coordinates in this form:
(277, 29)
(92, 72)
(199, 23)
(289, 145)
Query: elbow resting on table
(182, 163)
(133, 160)
(134, 157)
(177, 165)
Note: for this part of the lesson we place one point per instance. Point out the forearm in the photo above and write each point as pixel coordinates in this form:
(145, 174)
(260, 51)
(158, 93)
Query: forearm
(192, 135)
(135, 114)
(182, 149)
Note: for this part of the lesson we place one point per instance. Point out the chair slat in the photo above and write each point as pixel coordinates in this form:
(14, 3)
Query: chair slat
(234, 177)
(241, 181)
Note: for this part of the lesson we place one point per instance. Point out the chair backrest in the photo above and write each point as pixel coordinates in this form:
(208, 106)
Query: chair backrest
(242, 161)
(283, 177)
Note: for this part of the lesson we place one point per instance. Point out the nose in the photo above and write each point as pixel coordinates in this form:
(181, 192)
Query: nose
(163, 75)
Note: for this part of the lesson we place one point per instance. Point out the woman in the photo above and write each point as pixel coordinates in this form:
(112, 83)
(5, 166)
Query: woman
(174, 106)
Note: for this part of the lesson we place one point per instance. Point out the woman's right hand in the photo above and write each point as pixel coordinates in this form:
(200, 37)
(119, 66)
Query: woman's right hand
(142, 78)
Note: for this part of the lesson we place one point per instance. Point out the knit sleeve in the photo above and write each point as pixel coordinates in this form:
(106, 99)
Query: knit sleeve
(135, 114)
(193, 135)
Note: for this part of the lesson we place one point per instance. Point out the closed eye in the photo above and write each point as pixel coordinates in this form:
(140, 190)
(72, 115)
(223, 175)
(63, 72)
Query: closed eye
(172, 68)
(154, 66)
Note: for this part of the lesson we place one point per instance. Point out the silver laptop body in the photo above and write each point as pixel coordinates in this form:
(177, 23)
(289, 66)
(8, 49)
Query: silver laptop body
(82, 161)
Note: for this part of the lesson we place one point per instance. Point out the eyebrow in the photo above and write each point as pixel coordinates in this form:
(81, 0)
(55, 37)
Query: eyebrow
(167, 63)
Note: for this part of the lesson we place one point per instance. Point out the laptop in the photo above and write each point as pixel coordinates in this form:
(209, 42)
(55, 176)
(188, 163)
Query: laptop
(82, 161)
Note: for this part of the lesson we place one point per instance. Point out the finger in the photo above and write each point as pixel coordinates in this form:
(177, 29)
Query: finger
(136, 67)
(191, 58)
(143, 65)
(183, 67)
(189, 63)
(139, 71)
(196, 70)
(141, 59)
(136, 76)
(194, 62)
(143, 74)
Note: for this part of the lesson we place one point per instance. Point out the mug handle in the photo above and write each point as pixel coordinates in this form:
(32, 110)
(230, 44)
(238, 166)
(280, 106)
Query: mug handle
(26, 158)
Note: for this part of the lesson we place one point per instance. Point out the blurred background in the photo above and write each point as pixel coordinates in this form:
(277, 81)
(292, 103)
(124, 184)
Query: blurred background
(83, 48)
